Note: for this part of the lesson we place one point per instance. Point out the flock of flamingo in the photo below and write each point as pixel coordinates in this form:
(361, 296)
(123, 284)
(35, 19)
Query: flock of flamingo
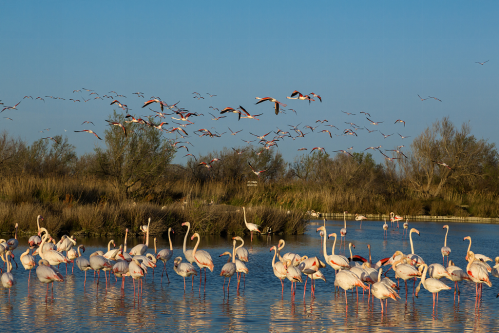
(350, 272)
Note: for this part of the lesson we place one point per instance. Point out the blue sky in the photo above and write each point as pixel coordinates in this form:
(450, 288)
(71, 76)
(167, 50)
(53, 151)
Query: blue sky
(366, 56)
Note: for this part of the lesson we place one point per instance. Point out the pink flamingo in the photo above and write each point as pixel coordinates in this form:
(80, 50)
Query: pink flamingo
(165, 255)
(251, 226)
(203, 259)
(183, 269)
(434, 286)
(279, 268)
(343, 231)
(229, 268)
(7, 278)
(445, 249)
(47, 274)
(28, 262)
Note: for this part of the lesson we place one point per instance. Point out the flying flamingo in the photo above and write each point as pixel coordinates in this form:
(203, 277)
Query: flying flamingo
(91, 132)
(184, 269)
(445, 249)
(481, 63)
(279, 268)
(251, 226)
(248, 116)
(140, 249)
(165, 255)
(300, 96)
(229, 268)
(360, 218)
(382, 291)
(434, 286)
(7, 278)
(203, 259)
(28, 262)
(47, 274)
(115, 123)
(343, 231)
(273, 100)
(256, 172)
(385, 230)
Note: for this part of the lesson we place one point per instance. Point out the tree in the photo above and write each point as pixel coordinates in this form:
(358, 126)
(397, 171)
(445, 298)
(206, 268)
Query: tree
(136, 162)
(467, 158)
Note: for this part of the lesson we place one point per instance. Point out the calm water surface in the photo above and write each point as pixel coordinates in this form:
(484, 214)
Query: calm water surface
(259, 307)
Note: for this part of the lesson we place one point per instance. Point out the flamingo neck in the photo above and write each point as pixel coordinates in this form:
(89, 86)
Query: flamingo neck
(370, 257)
(273, 259)
(9, 266)
(350, 248)
(471, 258)
(324, 244)
(38, 223)
(469, 246)
(44, 238)
(79, 254)
(169, 239)
(412, 245)
(279, 250)
(124, 245)
(185, 238)
(379, 274)
(423, 275)
(155, 251)
(109, 245)
(445, 242)
(15, 235)
(234, 251)
(334, 244)
(24, 254)
(196, 247)
(147, 234)
(245, 222)
(345, 219)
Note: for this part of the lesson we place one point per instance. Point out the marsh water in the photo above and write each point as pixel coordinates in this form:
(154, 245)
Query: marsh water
(258, 306)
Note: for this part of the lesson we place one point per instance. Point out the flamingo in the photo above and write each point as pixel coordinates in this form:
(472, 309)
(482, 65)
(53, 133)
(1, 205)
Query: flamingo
(456, 274)
(406, 227)
(137, 273)
(251, 226)
(65, 245)
(322, 233)
(36, 240)
(229, 268)
(140, 249)
(438, 271)
(279, 268)
(165, 255)
(183, 269)
(295, 259)
(123, 255)
(91, 132)
(382, 291)
(477, 274)
(360, 218)
(188, 253)
(385, 230)
(256, 172)
(343, 231)
(418, 260)
(309, 267)
(203, 259)
(53, 257)
(337, 262)
(241, 252)
(7, 278)
(294, 275)
(300, 96)
(434, 286)
(405, 271)
(111, 254)
(445, 249)
(47, 274)
(347, 280)
(393, 217)
(98, 263)
(273, 100)
(28, 262)
(121, 269)
(480, 257)
(13, 243)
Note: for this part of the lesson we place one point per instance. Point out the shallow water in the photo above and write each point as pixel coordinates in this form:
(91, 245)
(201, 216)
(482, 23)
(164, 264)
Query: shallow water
(259, 306)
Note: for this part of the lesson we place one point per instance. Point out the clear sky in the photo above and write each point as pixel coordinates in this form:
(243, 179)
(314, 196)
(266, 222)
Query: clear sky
(370, 56)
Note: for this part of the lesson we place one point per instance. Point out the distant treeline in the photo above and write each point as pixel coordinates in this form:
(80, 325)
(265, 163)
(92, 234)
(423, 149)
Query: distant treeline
(447, 171)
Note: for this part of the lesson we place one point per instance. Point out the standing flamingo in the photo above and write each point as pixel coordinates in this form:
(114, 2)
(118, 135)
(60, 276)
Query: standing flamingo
(480, 257)
(189, 253)
(7, 277)
(337, 262)
(83, 263)
(406, 227)
(347, 280)
(385, 230)
(360, 218)
(202, 258)
(240, 266)
(477, 274)
(140, 249)
(279, 268)
(229, 268)
(382, 291)
(165, 255)
(13, 243)
(28, 262)
(456, 274)
(183, 269)
(36, 240)
(445, 249)
(419, 261)
(343, 231)
(47, 274)
(137, 273)
(98, 263)
(294, 275)
(251, 226)
(434, 286)
(395, 218)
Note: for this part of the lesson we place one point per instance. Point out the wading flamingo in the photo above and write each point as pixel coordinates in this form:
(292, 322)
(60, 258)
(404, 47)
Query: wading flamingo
(188, 253)
(240, 266)
(337, 262)
(140, 249)
(385, 230)
(343, 231)
(480, 257)
(395, 218)
(183, 269)
(28, 262)
(445, 249)
(456, 274)
(203, 259)
(83, 263)
(406, 227)
(382, 291)
(165, 255)
(98, 263)
(279, 268)
(47, 274)
(360, 218)
(229, 269)
(251, 226)
(434, 286)
(7, 278)
(347, 280)
(477, 274)
(405, 271)
(36, 240)
(414, 257)
(13, 243)
(294, 275)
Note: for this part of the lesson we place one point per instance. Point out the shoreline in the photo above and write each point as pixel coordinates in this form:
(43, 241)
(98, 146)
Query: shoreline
(429, 218)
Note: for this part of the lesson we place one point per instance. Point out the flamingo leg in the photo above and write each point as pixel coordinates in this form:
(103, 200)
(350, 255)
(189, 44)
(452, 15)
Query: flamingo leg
(85, 281)
(228, 285)
(305, 288)
(282, 292)
(381, 305)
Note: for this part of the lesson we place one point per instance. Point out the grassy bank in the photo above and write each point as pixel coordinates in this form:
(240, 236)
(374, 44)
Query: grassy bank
(88, 205)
